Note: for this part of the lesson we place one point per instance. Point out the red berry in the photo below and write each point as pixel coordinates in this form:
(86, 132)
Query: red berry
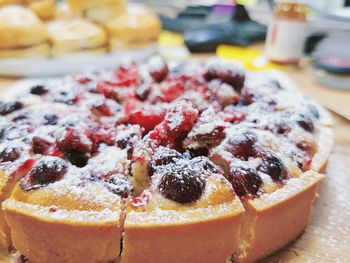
(74, 139)
(158, 69)
(40, 145)
(241, 145)
(147, 118)
(170, 90)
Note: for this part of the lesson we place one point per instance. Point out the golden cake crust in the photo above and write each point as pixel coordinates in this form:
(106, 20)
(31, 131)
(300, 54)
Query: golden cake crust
(48, 221)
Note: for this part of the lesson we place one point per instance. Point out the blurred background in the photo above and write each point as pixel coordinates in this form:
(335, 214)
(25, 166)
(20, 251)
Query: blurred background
(306, 38)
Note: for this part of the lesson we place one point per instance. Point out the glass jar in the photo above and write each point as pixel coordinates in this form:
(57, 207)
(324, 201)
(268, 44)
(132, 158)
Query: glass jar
(286, 32)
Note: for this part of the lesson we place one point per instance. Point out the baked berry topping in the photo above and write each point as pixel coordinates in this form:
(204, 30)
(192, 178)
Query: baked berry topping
(242, 145)
(38, 90)
(74, 139)
(158, 69)
(119, 184)
(47, 170)
(40, 145)
(305, 122)
(228, 73)
(273, 166)
(245, 181)
(9, 107)
(10, 154)
(181, 184)
(50, 119)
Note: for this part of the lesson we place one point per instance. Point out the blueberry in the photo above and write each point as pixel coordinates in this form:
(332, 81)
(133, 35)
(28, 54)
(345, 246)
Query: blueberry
(50, 119)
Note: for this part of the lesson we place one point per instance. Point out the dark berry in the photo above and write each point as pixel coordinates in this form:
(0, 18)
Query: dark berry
(242, 145)
(74, 139)
(65, 97)
(273, 166)
(230, 74)
(158, 69)
(203, 151)
(10, 154)
(212, 138)
(204, 164)
(77, 158)
(247, 97)
(9, 107)
(313, 110)
(280, 127)
(50, 119)
(21, 118)
(119, 184)
(163, 156)
(143, 91)
(305, 122)
(233, 76)
(245, 181)
(211, 72)
(40, 145)
(182, 185)
(38, 90)
(45, 171)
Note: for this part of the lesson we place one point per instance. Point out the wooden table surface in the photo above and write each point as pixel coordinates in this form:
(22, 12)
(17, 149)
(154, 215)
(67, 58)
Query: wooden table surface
(327, 238)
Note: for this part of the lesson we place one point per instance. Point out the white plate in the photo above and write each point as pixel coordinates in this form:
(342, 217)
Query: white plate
(31, 67)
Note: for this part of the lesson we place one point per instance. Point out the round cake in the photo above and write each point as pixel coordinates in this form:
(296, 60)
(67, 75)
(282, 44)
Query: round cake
(193, 162)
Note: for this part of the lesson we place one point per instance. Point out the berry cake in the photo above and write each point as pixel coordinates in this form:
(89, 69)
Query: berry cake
(194, 162)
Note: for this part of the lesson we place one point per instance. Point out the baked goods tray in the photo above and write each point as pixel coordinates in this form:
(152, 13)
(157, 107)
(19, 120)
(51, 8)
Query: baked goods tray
(33, 67)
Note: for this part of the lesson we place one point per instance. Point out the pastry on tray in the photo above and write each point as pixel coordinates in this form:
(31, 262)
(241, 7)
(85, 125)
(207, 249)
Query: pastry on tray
(137, 27)
(76, 36)
(97, 10)
(195, 162)
(22, 34)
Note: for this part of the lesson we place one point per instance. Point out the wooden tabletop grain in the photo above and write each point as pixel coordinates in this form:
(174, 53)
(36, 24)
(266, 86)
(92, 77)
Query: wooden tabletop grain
(327, 238)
